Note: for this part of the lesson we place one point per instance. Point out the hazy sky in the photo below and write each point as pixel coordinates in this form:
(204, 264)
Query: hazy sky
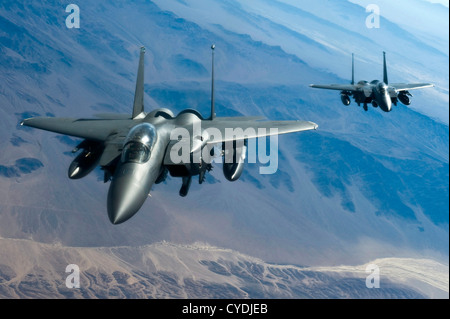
(443, 2)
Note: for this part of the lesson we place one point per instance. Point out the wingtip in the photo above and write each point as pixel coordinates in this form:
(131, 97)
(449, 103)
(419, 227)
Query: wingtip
(314, 125)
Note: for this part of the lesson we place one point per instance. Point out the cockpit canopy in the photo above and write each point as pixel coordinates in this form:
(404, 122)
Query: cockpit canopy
(381, 87)
(139, 144)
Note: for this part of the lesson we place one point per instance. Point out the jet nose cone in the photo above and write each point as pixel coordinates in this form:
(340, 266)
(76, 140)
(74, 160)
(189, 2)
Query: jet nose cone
(119, 210)
(119, 214)
(124, 200)
(386, 104)
(389, 105)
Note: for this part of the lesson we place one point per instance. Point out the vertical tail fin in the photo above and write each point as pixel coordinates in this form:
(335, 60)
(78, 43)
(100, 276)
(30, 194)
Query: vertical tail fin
(353, 68)
(138, 106)
(213, 112)
(385, 76)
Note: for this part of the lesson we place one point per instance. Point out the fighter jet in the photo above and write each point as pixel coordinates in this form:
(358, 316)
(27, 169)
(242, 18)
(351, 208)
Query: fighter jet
(138, 150)
(379, 93)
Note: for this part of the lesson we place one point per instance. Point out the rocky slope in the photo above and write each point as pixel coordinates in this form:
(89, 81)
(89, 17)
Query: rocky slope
(166, 270)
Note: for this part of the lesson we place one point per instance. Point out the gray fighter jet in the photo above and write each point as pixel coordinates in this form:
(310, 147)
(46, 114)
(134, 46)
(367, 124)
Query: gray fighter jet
(379, 93)
(139, 150)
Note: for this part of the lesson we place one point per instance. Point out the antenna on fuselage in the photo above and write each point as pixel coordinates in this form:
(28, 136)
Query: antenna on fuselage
(213, 113)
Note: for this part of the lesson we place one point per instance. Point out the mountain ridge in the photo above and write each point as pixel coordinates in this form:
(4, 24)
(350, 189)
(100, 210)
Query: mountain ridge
(178, 271)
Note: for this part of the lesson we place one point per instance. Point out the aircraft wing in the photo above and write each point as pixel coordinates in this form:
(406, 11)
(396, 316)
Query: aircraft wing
(225, 130)
(92, 129)
(111, 132)
(230, 129)
(339, 87)
(410, 86)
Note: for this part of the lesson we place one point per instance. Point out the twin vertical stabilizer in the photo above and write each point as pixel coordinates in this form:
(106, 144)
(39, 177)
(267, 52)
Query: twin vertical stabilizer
(385, 76)
(138, 105)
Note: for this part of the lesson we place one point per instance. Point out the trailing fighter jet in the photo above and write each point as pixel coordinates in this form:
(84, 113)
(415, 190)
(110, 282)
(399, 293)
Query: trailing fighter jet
(379, 93)
(138, 150)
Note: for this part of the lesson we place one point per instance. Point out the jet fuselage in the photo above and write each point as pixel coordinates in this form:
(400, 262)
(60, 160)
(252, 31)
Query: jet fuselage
(375, 92)
(379, 93)
(138, 168)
